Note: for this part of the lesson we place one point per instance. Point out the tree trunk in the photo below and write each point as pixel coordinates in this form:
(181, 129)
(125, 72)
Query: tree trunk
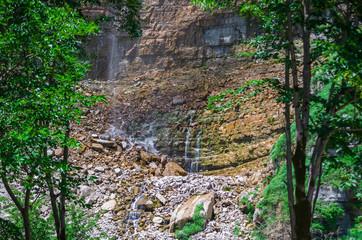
(26, 223)
(288, 139)
(63, 186)
(53, 202)
(24, 210)
(62, 235)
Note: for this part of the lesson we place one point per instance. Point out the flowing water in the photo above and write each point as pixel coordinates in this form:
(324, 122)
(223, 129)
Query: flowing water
(134, 213)
(196, 159)
(112, 51)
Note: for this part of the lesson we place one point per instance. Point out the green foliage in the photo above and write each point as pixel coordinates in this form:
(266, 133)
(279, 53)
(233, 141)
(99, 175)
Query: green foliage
(245, 54)
(40, 227)
(253, 88)
(236, 231)
(344, 171)
(79, 223)
(9, 231)
(327, 214)
(250, 208)
(193, 227)
(355, 232)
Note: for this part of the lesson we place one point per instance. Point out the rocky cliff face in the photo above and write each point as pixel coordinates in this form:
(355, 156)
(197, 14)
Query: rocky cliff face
(175, 34)
(160, 84)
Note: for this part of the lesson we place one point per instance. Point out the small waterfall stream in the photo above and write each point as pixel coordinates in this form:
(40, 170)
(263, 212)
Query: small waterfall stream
(192, 160)
(195, 161)
(187, 145)
(112, 51)
(134, 214)
(149, 140)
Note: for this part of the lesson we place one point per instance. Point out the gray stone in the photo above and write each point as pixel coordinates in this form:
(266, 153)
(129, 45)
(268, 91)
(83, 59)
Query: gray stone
(178, 100)
(85, 191)
(99, 169)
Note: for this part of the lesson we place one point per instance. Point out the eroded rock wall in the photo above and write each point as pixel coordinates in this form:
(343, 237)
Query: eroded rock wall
(175, 34)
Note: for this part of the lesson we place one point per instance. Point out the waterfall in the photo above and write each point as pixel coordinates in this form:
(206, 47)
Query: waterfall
(149, 141)
(187, 145)
(195, 161)
(112, 51)
(135, 213)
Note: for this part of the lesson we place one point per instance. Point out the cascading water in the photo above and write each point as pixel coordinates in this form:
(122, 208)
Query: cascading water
(187, 146)
(149, 141)
(196, 159)
(112, 51)
(134, 214)
(146, 141)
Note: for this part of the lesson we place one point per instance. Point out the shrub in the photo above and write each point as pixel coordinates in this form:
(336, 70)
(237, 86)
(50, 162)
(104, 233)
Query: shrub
(193, 227)
(328, 215)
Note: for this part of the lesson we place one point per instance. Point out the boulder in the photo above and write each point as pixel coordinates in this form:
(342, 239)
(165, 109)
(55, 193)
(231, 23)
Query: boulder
(145, 156)
(173, 169)
(183, 213)
(105, 143)
(110, 205)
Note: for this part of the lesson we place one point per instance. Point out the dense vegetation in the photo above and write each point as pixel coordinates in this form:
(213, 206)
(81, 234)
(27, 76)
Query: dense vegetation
(40, 64)
(319, 43)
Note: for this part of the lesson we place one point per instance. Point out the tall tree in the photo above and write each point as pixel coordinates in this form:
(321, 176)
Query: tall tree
(329, 45)
(40, 46)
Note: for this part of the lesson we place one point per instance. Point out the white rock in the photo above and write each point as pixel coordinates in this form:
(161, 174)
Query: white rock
(157, 220)
(110, 205)
(117, 171)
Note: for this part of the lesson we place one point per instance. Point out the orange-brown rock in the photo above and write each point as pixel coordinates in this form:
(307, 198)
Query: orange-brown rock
(173, 169)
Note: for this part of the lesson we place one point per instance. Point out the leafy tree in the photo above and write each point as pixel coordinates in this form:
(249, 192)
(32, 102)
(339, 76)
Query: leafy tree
(326, 55)
(40, 46)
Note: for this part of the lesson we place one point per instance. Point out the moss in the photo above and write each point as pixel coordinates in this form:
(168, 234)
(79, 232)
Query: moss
(227, 188)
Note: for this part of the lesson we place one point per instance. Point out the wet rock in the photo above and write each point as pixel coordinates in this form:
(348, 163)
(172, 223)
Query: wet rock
(124, 145)
(184, 212)
(173, 169)
(144, 203)
(104, 137)
(110, 205)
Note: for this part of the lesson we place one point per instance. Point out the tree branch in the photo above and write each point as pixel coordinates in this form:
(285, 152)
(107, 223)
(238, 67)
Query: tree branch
(11, 193)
